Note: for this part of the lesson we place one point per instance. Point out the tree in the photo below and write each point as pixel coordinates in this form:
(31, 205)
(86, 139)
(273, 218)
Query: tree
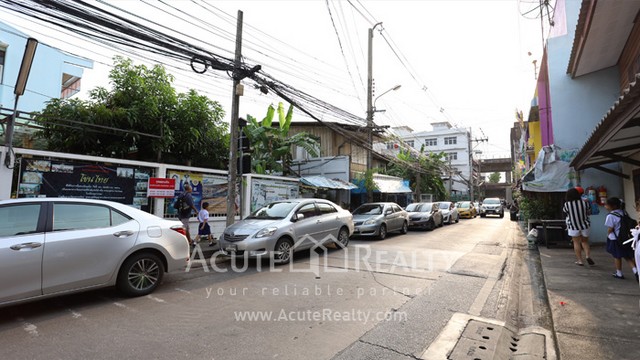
(494, 178)
(271, 146)
(184, 127)
(428, 180)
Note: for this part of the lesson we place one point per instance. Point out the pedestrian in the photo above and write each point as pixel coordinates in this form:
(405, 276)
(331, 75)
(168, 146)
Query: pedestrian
(186, 209)
(612, 222)
(203, 219)
(576, 212)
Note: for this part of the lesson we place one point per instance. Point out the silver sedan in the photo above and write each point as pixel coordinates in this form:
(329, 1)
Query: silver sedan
(378, 219)
(54, 246)
(282, 227)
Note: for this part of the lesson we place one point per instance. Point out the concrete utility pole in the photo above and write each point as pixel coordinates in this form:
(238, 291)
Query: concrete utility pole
(370, 109)
(235, 110)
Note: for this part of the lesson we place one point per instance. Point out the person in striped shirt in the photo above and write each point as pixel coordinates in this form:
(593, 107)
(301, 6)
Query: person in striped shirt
(577, 213)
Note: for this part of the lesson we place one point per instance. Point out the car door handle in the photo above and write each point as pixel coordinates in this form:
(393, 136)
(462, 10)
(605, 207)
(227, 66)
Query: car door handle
(318, 221)
(124, 233)
(29, 245)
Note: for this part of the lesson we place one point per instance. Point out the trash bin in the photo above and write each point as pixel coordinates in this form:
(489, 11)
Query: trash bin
(513, 214)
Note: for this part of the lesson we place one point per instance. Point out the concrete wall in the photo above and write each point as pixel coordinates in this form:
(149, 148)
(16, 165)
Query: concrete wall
(578, 105)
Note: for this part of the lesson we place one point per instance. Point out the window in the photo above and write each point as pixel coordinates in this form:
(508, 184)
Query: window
(431, 142)
(326, 208)
(118, 218)
(452, 156)
(450, 140)
(3, 52)
(80, 216)
(390, 145)
(19, 219)
(396, 208)
(410, 143)
(308, 210)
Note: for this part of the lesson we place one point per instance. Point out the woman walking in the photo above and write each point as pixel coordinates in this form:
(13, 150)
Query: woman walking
(576, 212)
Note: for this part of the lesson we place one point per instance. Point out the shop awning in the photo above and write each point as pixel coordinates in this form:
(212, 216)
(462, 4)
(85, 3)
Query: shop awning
(326, 183)
(392, 186)
(617, 137)
(385, 184)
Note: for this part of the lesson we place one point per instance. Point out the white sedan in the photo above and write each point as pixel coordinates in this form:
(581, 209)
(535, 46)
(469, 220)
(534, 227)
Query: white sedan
(55, 246)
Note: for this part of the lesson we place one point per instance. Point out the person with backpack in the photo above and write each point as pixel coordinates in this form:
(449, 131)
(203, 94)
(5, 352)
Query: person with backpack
(185, 207)
(619, 226)
(576, 212)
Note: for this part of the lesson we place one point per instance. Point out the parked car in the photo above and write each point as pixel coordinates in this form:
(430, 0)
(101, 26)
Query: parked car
(449, 212)
(280, 228)
(491, 206)
(378, 219)
(55, 246)
(466, 209)
(424, 216)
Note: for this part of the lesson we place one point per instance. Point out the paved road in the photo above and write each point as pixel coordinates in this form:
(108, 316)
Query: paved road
(383, 299)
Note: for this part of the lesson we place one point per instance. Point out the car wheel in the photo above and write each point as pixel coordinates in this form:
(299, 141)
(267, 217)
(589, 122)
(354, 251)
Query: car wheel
(282, 251)
(343, 238)
(501, 215)
(431, 225)
(140, 274)
(405, 228)
(382, 232)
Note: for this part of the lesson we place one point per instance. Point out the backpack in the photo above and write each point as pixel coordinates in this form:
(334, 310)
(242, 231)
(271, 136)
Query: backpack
(626, 224)
(179, 203)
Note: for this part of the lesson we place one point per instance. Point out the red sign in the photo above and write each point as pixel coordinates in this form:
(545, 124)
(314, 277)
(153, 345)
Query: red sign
(161, 188)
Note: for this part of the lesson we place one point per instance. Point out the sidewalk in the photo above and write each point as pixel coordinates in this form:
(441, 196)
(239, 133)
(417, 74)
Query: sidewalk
(595, 316)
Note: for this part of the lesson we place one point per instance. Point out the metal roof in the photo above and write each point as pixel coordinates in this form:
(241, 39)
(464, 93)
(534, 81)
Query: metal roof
(323, 182)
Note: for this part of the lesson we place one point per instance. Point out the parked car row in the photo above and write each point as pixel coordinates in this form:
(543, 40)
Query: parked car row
(53, 246)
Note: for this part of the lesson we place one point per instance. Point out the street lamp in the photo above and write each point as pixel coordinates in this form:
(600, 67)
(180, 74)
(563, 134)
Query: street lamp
(378, 97)
(18, 90)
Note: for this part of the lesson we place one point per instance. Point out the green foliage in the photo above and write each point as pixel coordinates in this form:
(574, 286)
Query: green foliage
(142, 100)
(272, 145)
(538, 206)
(430, 178)
(494, 178)
(366, 179)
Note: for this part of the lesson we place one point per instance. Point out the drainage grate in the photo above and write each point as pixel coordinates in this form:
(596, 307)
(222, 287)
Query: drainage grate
(486, 341)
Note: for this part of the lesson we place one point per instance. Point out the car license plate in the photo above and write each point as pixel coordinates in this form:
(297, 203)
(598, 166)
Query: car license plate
(231, 248)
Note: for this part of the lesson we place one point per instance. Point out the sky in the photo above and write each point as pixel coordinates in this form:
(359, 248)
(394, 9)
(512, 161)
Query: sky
(468, 62)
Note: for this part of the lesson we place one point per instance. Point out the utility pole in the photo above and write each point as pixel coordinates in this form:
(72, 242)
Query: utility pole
(471, 178)
(370, 110)
(235, 110)
(450, 179)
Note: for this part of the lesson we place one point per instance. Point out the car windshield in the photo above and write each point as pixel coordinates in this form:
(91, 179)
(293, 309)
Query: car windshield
(464, 205)
(444, 205)
(491, 201)
(277, 210)
(419, 207)
(368, 209)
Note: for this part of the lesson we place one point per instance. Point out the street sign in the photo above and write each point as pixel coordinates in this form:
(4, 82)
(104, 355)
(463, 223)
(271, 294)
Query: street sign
(161, 188)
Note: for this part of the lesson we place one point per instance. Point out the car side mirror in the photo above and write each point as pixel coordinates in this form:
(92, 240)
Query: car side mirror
(297, 217)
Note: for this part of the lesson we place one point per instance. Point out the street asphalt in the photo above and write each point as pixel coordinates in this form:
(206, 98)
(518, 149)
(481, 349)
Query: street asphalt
(405, 297)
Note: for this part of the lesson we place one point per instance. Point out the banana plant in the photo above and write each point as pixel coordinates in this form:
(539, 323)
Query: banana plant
(272, 146)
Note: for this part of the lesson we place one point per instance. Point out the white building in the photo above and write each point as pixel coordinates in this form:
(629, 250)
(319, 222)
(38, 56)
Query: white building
(454, 142)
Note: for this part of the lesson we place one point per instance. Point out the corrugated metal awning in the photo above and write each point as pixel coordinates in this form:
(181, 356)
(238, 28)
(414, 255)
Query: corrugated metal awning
(391, 184)
(323, 182)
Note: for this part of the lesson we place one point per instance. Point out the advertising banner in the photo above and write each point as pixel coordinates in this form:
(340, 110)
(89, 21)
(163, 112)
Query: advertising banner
(205, 188)
(264, 191)
(51, 178)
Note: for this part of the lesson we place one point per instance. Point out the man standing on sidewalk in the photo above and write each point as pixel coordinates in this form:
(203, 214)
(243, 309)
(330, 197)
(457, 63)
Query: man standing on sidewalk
(186, 208)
